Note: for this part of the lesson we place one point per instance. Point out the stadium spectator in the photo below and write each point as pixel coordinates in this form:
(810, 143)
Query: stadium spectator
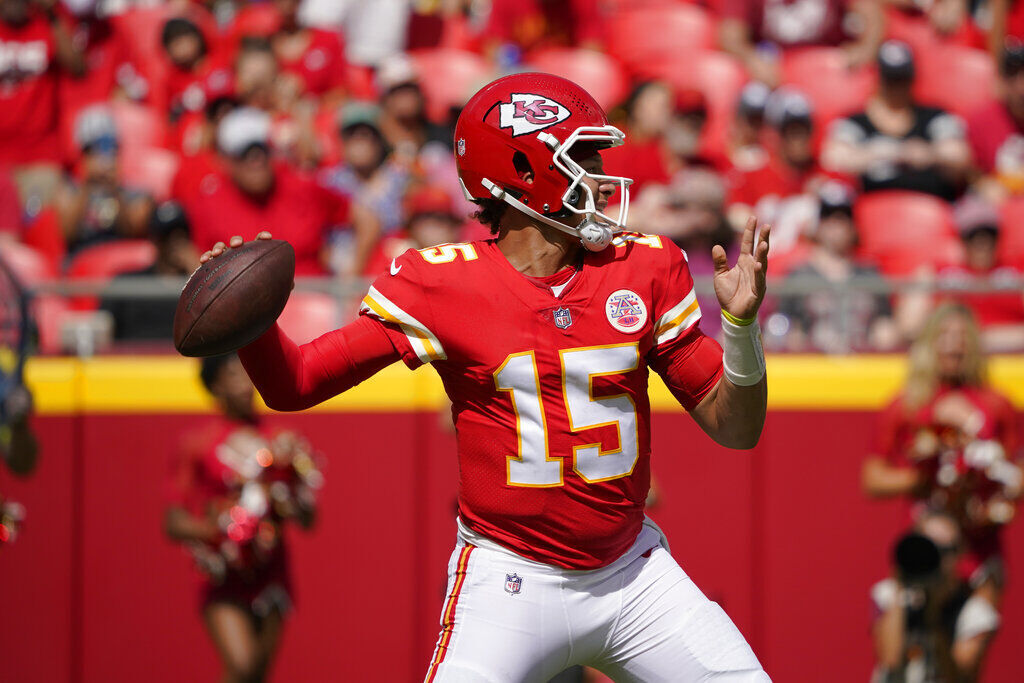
(780, 189)
(403, 116)
(190, 61)
(312, 60)
(108, 64)
(896, 143)
(36, 49)
(95, 206)
(235, 484)
(999, 313)
(948, 442)
(532, 24)
(430, 220)
(648, 115)
(152, 318)
(831, 316)
(255, 192)
(996, 131)
(686, 141)
(368, 174)
(373, 31)
(927, 626)
(746, 146)
(756, 31)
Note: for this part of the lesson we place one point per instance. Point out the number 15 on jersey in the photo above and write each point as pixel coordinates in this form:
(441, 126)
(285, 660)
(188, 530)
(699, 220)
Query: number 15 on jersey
(534, 465)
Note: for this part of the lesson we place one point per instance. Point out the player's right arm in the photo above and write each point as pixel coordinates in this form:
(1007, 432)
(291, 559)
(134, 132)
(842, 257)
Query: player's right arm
(292, 377)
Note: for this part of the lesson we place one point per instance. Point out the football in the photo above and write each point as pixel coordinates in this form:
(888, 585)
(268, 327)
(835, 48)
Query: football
(231, 300)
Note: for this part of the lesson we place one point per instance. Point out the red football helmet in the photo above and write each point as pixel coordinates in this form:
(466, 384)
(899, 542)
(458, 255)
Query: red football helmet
(536, 118)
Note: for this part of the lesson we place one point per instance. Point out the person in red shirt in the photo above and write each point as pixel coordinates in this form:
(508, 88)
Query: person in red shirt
(532, 24)
(109, 67)
(756, 30)
(649, 110)
(191, 60)
(235, 484)
(996, 131)
(1000, 314)
(34, 47)
(949, 442)
(543, 337)
(430, 220)
(255, 193)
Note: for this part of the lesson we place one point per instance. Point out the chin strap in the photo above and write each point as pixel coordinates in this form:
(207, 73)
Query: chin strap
(593, 235)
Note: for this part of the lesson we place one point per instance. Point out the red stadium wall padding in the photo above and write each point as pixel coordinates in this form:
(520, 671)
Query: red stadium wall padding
(781, 536)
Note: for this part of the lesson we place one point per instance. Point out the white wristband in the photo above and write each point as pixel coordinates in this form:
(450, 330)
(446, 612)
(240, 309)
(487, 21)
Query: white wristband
(742, 357)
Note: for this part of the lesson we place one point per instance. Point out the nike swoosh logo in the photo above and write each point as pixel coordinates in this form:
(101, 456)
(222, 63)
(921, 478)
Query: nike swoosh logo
(394, 268)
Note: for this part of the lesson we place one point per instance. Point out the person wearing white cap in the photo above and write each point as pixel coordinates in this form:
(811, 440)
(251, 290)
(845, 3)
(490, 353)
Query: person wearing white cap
(95, 206)
(896, 143)
(258, 192)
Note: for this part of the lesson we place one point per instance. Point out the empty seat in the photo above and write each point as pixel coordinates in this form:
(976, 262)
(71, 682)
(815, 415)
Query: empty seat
(902, 231)
(956, 78)
(449, 78)
(1011, 234)
(834, 89)
(29, 265)
(595, 72)
(104, 261)
(309, 315)
(645, 34)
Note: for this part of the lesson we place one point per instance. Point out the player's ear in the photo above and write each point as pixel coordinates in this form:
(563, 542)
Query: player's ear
(523, 167)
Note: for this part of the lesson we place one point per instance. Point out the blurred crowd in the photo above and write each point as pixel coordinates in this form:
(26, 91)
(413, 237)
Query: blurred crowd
(882, 139)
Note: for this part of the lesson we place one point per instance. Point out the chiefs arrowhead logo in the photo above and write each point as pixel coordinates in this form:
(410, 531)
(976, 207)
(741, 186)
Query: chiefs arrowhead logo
(528, 113)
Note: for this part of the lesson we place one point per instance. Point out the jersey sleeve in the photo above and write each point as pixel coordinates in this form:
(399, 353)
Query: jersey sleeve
(676, 312)
(400, 299)
(687, 360)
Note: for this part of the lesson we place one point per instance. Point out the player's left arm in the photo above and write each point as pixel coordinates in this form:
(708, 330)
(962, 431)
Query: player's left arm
(733, 412)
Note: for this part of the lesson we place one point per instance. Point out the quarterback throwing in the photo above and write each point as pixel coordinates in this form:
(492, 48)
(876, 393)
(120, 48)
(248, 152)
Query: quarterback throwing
(544, 337)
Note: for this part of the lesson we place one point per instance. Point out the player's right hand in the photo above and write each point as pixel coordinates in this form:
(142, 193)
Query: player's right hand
(233, 243)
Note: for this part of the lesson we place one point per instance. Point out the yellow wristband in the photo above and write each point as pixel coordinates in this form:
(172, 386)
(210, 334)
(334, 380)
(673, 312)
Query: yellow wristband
(737, 321)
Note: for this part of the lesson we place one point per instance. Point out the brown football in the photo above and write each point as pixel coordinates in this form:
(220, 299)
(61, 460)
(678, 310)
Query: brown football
(234, 298)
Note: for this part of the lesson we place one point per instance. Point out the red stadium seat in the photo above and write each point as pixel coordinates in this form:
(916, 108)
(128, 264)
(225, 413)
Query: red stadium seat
(596, 72)
(1011, 234)
(717, 75)
(914, 30)
(821, 74)
(449, 78)
(29, 265)
(138, 127)
(956, 78)
(309, 315)
(654, 33)
(104, 261)
(902, 231)
(151, 170)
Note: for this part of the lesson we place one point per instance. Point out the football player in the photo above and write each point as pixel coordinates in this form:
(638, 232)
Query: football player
(543, 337)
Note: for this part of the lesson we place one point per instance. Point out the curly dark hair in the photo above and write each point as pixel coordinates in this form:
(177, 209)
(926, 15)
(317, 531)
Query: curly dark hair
(490, 213)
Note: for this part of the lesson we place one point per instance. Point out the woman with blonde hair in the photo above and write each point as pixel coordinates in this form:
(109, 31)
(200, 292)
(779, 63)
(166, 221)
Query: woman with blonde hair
(947, 443)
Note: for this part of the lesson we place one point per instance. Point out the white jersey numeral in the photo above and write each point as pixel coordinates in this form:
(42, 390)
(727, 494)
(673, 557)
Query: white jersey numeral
(533, 465)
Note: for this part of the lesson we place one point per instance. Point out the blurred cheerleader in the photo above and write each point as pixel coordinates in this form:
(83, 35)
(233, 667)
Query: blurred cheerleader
(949, 443)
(236, 482)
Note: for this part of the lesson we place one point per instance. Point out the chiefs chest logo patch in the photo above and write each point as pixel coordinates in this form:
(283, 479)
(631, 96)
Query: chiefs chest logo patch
(528, 113)
(626, 311)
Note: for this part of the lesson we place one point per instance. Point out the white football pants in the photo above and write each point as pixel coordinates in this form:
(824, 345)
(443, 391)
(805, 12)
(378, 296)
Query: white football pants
(640, 619)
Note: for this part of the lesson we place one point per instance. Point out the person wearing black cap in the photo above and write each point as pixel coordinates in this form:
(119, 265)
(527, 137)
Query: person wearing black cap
(896, 143)
(996, 130)
(152, 318)
(831, 317)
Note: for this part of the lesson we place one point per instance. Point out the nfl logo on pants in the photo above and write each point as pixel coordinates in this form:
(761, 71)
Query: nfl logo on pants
(513, 583)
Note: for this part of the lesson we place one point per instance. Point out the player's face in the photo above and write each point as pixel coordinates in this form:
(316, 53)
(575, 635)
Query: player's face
(590, 161)
(234, 390)
(951, 347)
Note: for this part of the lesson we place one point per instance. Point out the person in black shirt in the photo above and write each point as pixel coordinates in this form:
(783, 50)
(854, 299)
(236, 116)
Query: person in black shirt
(897, 143)
(147, 318)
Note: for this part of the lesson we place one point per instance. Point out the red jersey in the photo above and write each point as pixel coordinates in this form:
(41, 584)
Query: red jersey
(297, 210)
(549, 393)
(28, 92)
(996, 140)
(321, 67)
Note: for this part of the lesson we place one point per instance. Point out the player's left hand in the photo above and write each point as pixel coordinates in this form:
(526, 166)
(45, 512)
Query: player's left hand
(740, 289)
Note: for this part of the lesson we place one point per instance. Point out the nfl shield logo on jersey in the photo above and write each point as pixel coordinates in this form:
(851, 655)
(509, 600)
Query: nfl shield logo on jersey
(513, 583)
(563, 318)
(626, 311)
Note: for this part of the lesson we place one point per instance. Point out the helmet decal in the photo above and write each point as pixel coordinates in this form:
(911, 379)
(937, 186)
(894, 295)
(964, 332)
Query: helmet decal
(529, 113)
